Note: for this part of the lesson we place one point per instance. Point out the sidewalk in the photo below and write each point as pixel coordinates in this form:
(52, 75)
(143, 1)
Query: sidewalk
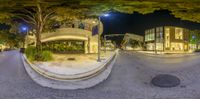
(73, 64)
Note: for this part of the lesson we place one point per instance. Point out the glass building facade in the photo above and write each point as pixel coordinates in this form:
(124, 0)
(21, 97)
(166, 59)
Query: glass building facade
(170, 38)
(150, 35)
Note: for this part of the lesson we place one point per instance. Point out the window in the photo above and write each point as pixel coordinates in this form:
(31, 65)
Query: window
(167, 37)
(149, 35)
(178, 33)
(159, 34)
(177, 46)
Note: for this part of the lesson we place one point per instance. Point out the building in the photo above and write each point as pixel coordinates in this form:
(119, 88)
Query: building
(109, 45)
(132, 42)
(171, 39)
(76, 37)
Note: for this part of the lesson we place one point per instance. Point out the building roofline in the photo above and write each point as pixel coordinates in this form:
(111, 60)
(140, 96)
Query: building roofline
(167, 26)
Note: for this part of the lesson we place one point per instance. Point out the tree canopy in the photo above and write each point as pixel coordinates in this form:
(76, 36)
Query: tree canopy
(184, 9)
(38, 13)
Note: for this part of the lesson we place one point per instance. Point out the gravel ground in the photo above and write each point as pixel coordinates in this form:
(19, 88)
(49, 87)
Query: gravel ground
(130, 79)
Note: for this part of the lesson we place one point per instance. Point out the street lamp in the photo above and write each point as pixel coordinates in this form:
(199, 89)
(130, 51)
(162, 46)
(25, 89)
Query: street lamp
(105, 43)
(24, 29)
(99, 36)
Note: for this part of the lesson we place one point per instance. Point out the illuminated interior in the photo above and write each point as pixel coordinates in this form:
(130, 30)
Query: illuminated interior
(177, 46)
(150, 35)
(171, 39)
(192, 46)
(150, 46)
(159, 46)
(179, 33)
(167, 37)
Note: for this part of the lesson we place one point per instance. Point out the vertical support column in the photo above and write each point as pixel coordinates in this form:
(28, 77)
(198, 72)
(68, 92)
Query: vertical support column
(88, 45)
(105, 44)
(85, 47)
(155, 41)
(99, 41)
(163, 38)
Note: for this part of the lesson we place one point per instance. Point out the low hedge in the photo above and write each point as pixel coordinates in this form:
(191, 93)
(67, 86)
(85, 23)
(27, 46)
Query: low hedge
(33, 55)
(197, 50)
(30, 53)
(44, 56)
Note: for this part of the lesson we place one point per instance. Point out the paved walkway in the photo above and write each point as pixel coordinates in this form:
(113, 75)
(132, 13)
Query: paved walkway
(82, 63)
(129, 79)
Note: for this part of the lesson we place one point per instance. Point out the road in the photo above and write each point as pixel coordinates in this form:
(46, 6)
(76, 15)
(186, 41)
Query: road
(129, 79)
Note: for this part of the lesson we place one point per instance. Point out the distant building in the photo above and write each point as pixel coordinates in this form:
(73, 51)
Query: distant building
(109, 45)
(132, 42)
(171, 39)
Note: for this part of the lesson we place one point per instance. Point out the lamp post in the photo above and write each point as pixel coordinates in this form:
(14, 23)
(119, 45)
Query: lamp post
(25, 29)
(99, 36)
(105, 44)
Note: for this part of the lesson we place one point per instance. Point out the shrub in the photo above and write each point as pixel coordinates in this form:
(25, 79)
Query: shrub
(33, 55)
(30, 53)
(197, 50)
(46, 55)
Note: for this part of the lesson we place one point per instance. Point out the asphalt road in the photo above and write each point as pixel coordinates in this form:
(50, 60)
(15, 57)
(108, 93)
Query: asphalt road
(130, 79)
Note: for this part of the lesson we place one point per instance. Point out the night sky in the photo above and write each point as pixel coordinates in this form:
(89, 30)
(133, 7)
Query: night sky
(119, 23)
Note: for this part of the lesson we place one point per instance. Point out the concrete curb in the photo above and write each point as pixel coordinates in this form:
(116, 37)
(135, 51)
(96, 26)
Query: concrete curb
(80, 76)
(81, 83)
(169, 56)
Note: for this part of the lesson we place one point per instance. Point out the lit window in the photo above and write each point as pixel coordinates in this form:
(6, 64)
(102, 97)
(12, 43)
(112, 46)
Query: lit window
(149, 35)
(167, 37)
(178, 33)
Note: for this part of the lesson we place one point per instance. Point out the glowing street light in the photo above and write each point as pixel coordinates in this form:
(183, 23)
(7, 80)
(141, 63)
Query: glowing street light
(106, 15)
(24, 29)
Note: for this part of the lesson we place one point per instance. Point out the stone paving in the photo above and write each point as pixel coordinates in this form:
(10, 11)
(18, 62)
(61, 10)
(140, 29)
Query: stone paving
(129, 79)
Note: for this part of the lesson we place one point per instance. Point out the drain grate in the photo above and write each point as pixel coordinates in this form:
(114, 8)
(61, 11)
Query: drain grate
(165, 80)
(71, 59)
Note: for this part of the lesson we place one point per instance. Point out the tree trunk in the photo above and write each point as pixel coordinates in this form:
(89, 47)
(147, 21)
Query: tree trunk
(39, 28)
(38, 41)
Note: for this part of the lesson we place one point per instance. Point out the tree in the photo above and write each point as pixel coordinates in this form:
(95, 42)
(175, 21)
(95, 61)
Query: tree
(37, 18)
(184, 9)
(37, 13)
(67, 13)
(41, 12)
(10, 39)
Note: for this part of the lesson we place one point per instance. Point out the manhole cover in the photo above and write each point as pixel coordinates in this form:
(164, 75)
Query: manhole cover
(165, 80)
(71, 59)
